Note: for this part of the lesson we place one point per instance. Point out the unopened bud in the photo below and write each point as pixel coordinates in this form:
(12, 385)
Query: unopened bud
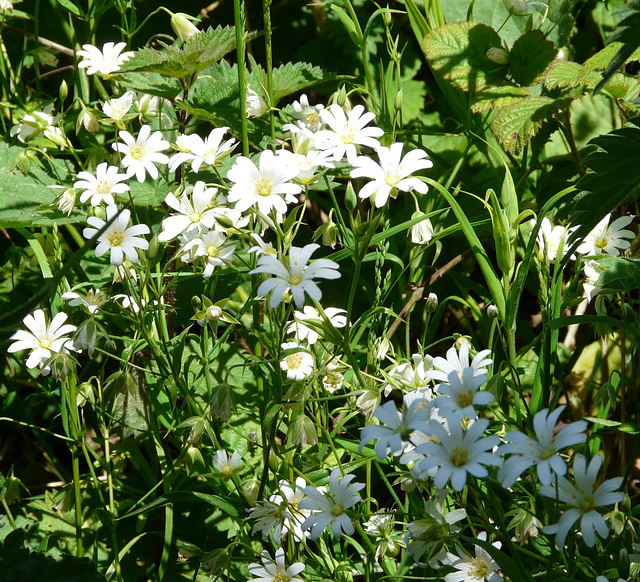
(224, 221)
(154, 245)
(23, 162)
(55, 135)
(492, 311)
(432, 302)
(422, 232)
(624, 564)
(88, 120)
(196, 303)
(498, 55)
(182, 26)
(63, 91)
(350, 198)
(397, 104)
(340, 97)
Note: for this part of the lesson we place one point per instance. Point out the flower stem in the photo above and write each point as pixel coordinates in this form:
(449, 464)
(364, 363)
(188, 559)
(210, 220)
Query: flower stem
(238, 15)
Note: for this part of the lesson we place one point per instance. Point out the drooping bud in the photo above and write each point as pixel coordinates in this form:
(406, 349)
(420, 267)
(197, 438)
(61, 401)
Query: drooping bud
(497, 55)
(432, 302)
(422, 232)
(182, 26)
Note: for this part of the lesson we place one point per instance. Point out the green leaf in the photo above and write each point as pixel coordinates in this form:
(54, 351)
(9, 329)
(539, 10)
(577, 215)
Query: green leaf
(70, 6)
(530, 56)
(199, 52)
(628, 33)
(25, 200)
(293, 77)
(565, 74)
(458, 52)
(614, 175)
(217, 501)
(497, 96)
(517, 123)
(152, 84)
(619, 274)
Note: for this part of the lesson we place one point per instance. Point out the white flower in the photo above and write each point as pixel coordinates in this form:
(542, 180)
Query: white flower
(43, 339)
(101, 187)
(608, 238)
(262, 248)
(584, 500)
(391, 174)
(430, 533)
(193, 212)
(337, 318)
(202, 152)
(308, 116)
(274, 570)
(458, 452)
(592, 271)
(267, 186)
(225, 465)
(34, 123)
(142, 152)
(298, 365)
(117, 238)
(329, 509)
(212, 246)
(116, 109)
(395, 429)
(550, 238)
(307, 164)
(256, 105)
(542, 450)
(105, 61)
(295, 275)
(410, 377)
(182, 26)
(479, 568)
(347, 131)
(67, 201)
(460, 395)
(458, 361)
(93, 300)
(6, 5)
(422, 232)
(129, 302)
(281, 514)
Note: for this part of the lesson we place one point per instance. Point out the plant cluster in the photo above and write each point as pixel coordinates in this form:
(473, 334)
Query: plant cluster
(277, 323)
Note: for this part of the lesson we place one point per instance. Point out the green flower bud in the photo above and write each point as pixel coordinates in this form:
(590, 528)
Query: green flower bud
(498, 55)
(397, 104)
(432, 302)
(350, 198)
(154, 246)
(63, 91)
(182, 26)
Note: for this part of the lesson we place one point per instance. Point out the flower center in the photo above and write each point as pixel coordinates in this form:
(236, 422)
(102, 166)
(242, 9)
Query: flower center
(601, 242)
(313, 118)
(392, 179)
(280, 577)
(195, 217)
(587, 504)
(465, 399)
(294, 361)
(479, 570)
(547, 453)
(264, 187)
(45, 343)
(116, 238)
(337, 510)
(103, 187)
(348, 135)
(136, 153)
(213, 251)
(459, 456)
(295, 280)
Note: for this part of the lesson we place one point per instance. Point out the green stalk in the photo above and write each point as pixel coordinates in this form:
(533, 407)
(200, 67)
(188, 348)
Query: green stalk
(75, 458)
(266, 11)
(238, 16)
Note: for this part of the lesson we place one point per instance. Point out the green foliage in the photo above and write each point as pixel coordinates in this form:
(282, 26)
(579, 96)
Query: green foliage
(458, 52)
(529, 58)
(619, 274)
(199, 52)
(614, 175)
(18, 564)
(515, 124)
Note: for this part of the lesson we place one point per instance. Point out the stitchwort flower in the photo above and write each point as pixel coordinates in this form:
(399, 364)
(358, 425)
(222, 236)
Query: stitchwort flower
(119, 238)
(101, 187)
(295, 275)
(105, 61)
(142, 153)
(274, 569)
(329, 508)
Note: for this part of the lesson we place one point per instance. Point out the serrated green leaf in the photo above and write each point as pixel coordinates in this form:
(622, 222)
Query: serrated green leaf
(619, 274)
(152, 84)
(530, 56)
(199, 52)
(566, 74)
(497, 96)
(614, 175)
(25, 200)
(293, 77)
(628, 34)
(458, 52)
(517, 123)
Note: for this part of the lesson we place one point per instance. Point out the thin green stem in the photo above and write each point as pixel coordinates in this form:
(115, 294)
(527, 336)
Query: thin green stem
(238, 16)
(266, 11)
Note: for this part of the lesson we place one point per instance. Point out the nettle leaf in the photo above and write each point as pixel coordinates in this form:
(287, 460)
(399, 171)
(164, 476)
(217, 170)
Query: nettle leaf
(530, 56)
(152, 84)
(564, 74)
(497, 96)
(619, 274)
(613, 176)
(458, 52)
(517, 123)
(628, 34)
(293, 77)
(26, 200)
(199, 52)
